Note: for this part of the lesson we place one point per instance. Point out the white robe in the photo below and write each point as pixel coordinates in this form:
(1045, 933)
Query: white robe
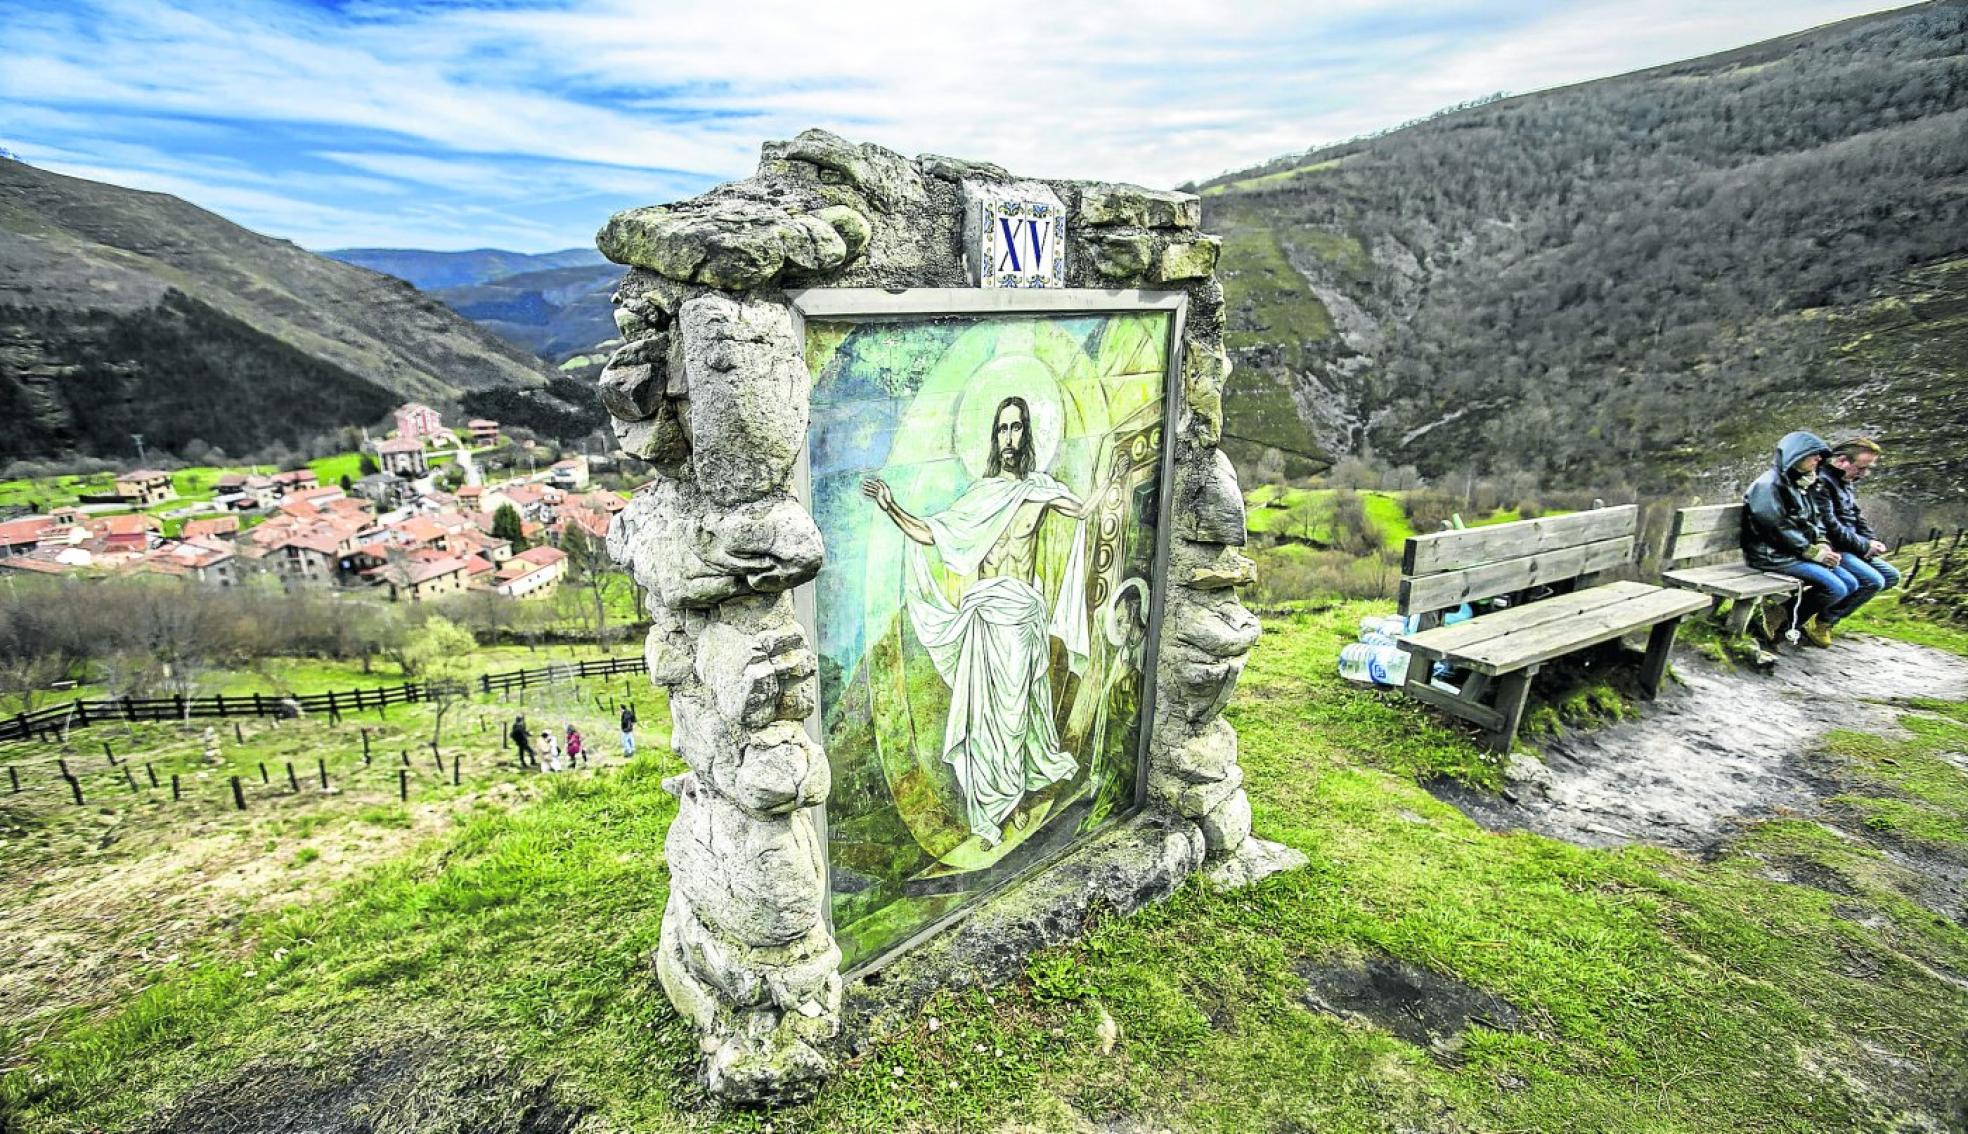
(991, 649)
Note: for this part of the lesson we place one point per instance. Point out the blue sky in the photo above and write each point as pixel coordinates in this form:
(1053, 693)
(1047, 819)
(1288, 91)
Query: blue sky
(523, 125)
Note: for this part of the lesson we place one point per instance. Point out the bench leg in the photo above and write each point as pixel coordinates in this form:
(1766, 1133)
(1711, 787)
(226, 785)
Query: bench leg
(1512, 690)
(1653, 667)
(1739, 616)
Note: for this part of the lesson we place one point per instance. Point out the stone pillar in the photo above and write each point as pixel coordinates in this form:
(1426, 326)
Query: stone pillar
(711, 389)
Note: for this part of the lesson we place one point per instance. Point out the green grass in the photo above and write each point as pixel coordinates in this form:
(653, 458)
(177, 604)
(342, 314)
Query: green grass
(1266, 180)
(1888, 618)
(1908, 787)
(1656, 992)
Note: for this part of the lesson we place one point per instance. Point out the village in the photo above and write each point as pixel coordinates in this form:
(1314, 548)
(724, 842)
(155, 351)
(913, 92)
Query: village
(425, 524)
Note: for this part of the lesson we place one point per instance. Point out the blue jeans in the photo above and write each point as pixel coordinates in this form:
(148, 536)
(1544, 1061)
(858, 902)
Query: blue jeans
(1872, 576)
(1827, 590)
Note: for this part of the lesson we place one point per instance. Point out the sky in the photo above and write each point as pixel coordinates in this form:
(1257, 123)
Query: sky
(523, 125)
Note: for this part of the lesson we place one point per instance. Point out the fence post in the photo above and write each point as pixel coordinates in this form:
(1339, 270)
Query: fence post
(457, 768)
(81, 709)
(365, 745)
(259, 705)
(129, 708)
(321, 764)
(175, 793)
(151, 772)
(263, 773)
(75, 786)
(239, 793)
(406, 757)
(20, 722)
(107, 752)
(184, 714)
(13, 775)
(293, 783)
(130, 778)
(63, 764)
(238, 734)
(403, 784)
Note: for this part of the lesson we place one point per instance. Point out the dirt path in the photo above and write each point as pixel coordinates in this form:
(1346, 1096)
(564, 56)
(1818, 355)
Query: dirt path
(1719, 747)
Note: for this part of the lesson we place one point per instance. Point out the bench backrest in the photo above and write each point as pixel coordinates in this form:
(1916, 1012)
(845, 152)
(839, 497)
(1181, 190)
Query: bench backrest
(1445, 569)
(1700, 532)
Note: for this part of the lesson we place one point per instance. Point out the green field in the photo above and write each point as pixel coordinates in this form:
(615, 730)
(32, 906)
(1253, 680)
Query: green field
(500, 943)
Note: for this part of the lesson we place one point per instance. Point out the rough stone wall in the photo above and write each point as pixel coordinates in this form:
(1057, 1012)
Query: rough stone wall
(711, 389)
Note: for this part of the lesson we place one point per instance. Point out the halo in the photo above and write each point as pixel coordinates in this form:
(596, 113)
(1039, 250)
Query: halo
(993, 382)
(1110, 618)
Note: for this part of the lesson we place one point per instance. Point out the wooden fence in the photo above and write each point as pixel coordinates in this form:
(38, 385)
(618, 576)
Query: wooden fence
(58, 719)
(563, 671)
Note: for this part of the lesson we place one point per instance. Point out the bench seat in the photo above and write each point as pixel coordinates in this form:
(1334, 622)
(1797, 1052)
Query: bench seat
(1735, 581)
(1502, 650)
(1523, 636)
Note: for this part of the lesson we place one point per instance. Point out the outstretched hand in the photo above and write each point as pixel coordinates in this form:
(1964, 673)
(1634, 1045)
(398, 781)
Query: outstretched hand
(876, 489)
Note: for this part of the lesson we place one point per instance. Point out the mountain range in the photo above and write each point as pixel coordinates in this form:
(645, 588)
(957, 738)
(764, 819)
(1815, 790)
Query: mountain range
(1643, 280)
(1639, 282)
(128, 312)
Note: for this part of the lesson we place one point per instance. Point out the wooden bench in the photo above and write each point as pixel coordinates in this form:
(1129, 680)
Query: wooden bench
(1710, 533)
(1503, 649)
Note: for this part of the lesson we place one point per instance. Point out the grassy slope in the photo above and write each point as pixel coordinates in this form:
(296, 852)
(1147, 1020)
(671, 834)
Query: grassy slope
(1657, 992)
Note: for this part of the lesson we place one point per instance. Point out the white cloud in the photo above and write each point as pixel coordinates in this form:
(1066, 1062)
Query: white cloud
(513, 108)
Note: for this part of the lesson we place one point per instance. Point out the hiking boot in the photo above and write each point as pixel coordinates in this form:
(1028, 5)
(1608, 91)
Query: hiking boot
(1817, 633)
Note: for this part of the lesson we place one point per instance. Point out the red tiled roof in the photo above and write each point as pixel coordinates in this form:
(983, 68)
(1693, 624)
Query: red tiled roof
(542, 556)
(400, 445)
(217, 525)
(27, 529)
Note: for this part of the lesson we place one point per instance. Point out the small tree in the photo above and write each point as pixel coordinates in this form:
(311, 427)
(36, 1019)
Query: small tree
(590, 566)
(507, 525)
(442, 652)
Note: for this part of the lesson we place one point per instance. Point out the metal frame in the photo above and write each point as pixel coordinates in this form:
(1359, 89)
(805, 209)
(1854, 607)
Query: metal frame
(876, 305)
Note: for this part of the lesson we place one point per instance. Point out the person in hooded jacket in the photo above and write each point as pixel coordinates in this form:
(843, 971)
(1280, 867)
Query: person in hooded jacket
(1782, 534)
(1837, 499)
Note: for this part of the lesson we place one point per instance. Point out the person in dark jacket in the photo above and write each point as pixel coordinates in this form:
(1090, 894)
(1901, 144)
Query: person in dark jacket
(1837, 499)
(522, 738)
(1781, 533)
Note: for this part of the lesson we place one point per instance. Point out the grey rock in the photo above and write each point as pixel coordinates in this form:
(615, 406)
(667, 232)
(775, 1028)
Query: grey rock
(749, 390)
(1219, 627)
(1209, 504)
(1208, 757)
(1205, 373)
(850, 226)
(1252, 860)
(1102, 205)
(888, 179)
(1528, 773)
(727, 242)
(1226, 825)
(1121, 255)
(757, 676)
(754, 880)
(1187, 260)
(661, 439)
(957, 169)
(1139, 861)
(767, 545)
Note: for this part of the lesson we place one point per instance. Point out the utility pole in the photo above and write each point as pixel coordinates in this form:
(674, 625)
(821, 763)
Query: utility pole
(138, 438)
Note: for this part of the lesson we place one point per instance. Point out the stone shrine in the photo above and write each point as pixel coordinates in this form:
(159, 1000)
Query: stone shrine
(715, 387)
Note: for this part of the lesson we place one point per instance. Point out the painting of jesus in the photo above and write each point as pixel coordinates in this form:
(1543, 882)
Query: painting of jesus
(988, 490)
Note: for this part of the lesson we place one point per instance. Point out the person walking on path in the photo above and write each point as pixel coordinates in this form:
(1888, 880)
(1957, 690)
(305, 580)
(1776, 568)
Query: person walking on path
(550, 750)
(628, 731)
(1781, 533)
(522, 738)
(577, 755)
(1837, 499)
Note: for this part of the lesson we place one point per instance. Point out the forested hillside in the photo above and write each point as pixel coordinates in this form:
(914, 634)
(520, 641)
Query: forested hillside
(125, 312)
(1631, 280)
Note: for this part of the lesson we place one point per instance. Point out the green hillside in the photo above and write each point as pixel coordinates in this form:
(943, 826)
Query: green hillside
(1608, 281)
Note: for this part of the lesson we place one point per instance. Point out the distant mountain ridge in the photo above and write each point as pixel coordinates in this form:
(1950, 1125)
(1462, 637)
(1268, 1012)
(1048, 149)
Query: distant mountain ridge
(128, 312)
(427, 270)
(1639, 279)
